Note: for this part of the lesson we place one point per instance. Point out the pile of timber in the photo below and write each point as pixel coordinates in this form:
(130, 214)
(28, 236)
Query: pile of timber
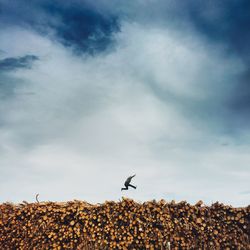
(123, 225)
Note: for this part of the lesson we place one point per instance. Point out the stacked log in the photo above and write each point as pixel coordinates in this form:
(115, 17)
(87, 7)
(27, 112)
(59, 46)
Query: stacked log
(123, 225)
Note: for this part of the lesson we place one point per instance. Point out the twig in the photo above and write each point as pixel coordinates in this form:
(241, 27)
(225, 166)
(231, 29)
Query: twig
(37, 198)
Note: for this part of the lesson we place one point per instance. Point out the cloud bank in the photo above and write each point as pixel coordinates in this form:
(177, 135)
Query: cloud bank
(114, 93)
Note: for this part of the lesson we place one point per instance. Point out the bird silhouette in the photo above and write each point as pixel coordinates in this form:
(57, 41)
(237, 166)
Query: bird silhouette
(127, 183)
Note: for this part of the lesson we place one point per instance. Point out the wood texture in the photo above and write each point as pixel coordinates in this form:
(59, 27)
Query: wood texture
(123, 225)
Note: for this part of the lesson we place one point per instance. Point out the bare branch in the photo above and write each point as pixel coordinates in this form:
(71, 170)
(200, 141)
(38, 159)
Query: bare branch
(37, 198)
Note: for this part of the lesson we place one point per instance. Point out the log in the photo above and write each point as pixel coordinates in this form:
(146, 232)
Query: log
(123, 225)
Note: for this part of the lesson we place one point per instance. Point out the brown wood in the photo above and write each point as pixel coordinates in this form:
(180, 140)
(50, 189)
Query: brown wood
(123, 225)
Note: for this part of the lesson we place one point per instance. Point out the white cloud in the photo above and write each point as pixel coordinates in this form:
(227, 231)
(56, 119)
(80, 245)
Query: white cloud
(94, 120)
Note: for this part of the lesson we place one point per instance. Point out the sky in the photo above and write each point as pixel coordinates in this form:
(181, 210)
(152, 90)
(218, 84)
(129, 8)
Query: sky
(92, 92)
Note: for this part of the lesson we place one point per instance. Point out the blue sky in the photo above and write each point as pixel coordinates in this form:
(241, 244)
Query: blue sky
(91, 93)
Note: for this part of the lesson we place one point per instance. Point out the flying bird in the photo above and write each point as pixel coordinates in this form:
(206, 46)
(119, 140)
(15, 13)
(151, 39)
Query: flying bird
(127, 183)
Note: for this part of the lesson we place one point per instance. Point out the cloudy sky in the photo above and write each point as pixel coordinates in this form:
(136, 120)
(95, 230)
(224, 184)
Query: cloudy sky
(94, 91)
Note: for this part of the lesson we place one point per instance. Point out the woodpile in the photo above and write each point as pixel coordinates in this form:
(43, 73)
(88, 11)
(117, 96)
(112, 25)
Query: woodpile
(123, 225)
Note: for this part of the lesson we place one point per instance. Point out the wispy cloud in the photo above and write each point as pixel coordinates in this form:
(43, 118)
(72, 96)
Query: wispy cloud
(247, 192)
(13, 63)
(77, 26)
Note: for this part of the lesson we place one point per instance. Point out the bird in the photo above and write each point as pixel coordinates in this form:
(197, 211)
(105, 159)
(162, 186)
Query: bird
(127, 183)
